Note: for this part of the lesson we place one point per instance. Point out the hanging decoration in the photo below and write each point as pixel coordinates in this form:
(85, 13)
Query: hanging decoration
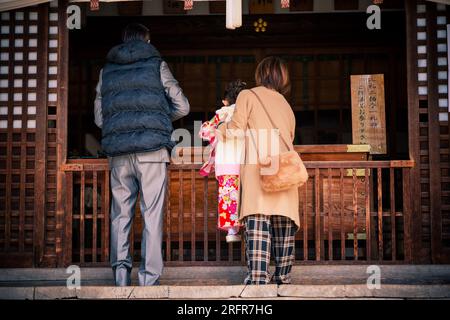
(188, 4)
(94, 5)
(285, 4)
(233, 14)
(260, 25)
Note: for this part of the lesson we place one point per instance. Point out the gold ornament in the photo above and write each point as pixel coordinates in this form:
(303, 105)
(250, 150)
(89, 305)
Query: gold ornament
(260, 25)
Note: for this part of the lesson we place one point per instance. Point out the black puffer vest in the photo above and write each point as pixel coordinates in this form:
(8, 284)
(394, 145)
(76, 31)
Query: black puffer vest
(135, 110)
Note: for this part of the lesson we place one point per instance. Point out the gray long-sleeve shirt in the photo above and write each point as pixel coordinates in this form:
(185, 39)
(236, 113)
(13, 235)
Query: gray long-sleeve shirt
(173, 92)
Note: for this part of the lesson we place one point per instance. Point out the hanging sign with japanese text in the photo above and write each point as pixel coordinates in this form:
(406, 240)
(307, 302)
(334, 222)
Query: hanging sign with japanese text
(368, 111)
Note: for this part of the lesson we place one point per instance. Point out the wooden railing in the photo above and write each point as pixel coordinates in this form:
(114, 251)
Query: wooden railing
(351, 212)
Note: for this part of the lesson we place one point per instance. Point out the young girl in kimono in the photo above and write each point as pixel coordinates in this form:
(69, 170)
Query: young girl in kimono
(225, 160)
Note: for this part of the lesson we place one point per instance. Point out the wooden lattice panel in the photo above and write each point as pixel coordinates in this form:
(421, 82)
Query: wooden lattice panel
(435, 198)
(427, 36)
(19, 88)
(422, 91)
(440, 38)
(30, 58)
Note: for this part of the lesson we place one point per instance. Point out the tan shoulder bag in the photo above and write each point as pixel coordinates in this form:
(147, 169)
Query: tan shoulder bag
(291, 169)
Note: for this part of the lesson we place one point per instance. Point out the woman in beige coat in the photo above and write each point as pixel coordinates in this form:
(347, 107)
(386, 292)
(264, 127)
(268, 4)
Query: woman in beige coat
(271, 219)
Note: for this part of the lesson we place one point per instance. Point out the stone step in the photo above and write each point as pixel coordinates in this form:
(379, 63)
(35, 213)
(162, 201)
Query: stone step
(230, 292)
(200, 275)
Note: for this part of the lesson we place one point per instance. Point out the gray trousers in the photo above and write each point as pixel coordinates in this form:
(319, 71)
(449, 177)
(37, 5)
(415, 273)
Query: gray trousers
(129, 176)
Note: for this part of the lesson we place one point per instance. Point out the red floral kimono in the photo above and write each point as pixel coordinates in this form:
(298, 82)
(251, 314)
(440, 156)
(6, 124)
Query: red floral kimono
(228, 193)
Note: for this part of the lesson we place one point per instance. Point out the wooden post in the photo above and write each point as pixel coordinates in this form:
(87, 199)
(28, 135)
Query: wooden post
(317, 214)
(368, 215)
(413, 127)
(205, 219)
(193, 215)
(434, 140)
(330, 217)
(94, 216)
(305, 223)
(355, 216)
(218, 239)
(61, 124)
(380, 214)
(393, 213)
(106, 195)
(168, 218)
(40, 180)
(180, 216)
(82, 215)
(407, 218)
(341, 188)
(68, 220)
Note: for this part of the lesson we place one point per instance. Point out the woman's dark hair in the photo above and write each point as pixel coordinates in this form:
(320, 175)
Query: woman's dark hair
(272, 72)
(232, 91)
(135, 31)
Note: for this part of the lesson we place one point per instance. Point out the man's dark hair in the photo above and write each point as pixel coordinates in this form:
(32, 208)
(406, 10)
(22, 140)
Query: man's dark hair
(232, 91)
(135, 31)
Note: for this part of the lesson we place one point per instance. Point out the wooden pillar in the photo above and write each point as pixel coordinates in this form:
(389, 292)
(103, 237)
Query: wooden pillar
(61, 126)
(41, 138)
(413, 125)
(433, 134)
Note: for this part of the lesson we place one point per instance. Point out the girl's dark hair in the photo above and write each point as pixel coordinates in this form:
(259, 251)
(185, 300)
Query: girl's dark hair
(272, 72)
(135, 31)
(232, 90)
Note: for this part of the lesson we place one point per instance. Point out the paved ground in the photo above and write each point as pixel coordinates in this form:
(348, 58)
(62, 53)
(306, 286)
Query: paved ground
(309, 282)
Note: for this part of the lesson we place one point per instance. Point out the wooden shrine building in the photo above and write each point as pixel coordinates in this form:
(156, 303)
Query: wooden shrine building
(357, 207)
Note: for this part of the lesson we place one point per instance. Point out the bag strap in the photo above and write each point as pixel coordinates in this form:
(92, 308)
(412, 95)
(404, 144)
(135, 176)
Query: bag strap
(271, 121)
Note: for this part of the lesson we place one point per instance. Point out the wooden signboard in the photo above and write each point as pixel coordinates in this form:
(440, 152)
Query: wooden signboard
(368, 111)
(173, 7)
(301, 5)
(261, 6)
(346, 4)
(217, 7)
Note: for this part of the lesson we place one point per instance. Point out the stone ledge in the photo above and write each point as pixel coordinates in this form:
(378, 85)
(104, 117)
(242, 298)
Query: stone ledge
(52, 293)
(97, 292)
(205, 292)
(230, 292)
(361, 291)
(17, 293)
(312, 291)
(261, 291)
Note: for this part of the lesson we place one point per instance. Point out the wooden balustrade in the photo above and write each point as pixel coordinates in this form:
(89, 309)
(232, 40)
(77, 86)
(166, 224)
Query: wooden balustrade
(351, 212)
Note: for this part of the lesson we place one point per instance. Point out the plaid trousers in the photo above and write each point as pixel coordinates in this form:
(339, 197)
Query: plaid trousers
(266, 235)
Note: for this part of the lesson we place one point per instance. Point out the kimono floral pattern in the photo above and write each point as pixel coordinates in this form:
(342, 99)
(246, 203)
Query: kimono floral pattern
(208, 132)
(228, 197)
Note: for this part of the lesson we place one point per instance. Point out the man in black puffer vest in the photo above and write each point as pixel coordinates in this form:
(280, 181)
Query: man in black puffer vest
(137, 100)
